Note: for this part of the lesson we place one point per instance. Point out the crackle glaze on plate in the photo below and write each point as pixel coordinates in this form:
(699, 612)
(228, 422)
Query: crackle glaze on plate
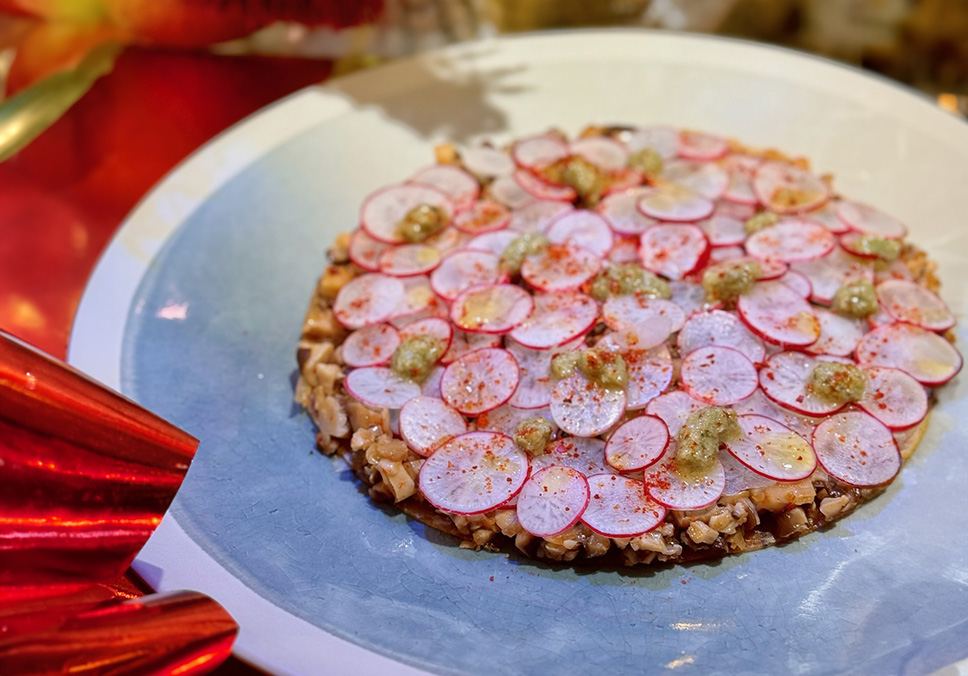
(196, 306)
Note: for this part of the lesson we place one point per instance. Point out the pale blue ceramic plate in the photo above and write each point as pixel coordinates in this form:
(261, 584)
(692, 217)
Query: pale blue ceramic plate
(196, 310)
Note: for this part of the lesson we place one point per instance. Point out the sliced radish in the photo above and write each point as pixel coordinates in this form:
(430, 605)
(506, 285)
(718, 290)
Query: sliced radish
(483, 216)
(552, 501)
(772, 449)
(718, 375)
(622, 312)
(717, 327)
(457, 184)
(480, 380)
(665, 484)
(663, 140)
(673, 250)
(624, 250)
(368, 299)
(365, 251)
(838, 335)
(895, 398)
(706, 179)
(721, 254)
(370, 346)
(740, 187)
(535, 152)
(697, 145)
(829, 273)
(560, 267)
(879, 318)
(420, 301)
(492, 242)
(447, 240)
(462, 270)
(384, 209)
(542, 189)
(673, 408)
(619, 508)
(851, 242)
(770, 269)
(723, 230)
(784, 379)
(739, 477)
(408, 260)
(426, 422)
(473, 473)
(622, 211)
(741, 212)
(797, 282)
(621, 180)
(464, 343)
(787, 189)
(534, 386)
(432, 327)
(495, 308)
(556, 319)
(926, 356)
(778, 314)
(790, 240)
(583, 455)
(914, 304)
(509, 192)
(538, 215)
(582, 228)
(857, 449)
(584, 409)
(637, 444)
(379, 387)
(689, 296)
(675, 203)
(865, 218)
(601, 151)
(487, 162)
(650, 373)
(505, 419)
(828, 218)
(431, 386)
(894, 270)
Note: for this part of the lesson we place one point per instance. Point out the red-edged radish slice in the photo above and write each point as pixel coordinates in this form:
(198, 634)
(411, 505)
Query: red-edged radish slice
(542, 189)
(926, 356)
(473, 473)
(707, 179)
(624, 250)
(726, 253)
(787, 189)
(741, 212)
(740, 187)
(718, 376)
(379, 387)
(368, 299)
(622, 212)
(552, 501)
(663, 140)
(689, 296)
(857, 449)
(621, 180)
(534, 386)
(560, 267)
(670, 488)
(601, 151)
(650, 373)
(673, 250)
(865, 218)
(895, 398)
(483, 216)
(505, 419)
(457, 184)
(419, 302)
(462, 270)
(672, 202)
(537, 216)
(914, 304)
(619, 508)
(698, 145)
(637, 444)
(432, 327)
(480, 380)
(557, 318)
(583, 455)
(462, 343)
(828, 218)
(784, 379)
(487, 162)
(370, 346)
(739, 477)
(535, 152)
(838, 335)
(894, 270)
(426, 422)
(717, 327)
(509, 192)
(778, 314)
(797, 282)
(620, 312)
(492, 242)
(760, 404)
(851, 242)
(723, 230)
(829, 273)
(879, 318)
(772, 449)
(770, 269)
(583, 409)
(408, 260)
(447, 240)
(790, 240)
(365, 251)
(384, 209)
(431, 386)
(496, 308)
(583, 228)
(673, 408)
